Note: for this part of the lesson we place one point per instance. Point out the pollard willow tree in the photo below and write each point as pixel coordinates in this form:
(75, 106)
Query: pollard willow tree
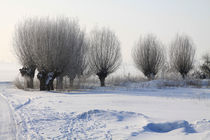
(148, 56)
(53, 49)
(46, 50)
(77, 59)
(76, 48)
(182, 53)
(22, 43)
(105, 56)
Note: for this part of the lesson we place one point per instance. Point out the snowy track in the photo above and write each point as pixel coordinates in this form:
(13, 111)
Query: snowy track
(7, 123)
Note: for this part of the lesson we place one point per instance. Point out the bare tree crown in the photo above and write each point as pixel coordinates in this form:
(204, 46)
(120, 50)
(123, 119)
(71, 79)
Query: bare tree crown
(182, 53)
(105, 56)
(148, 55)
(105, 51)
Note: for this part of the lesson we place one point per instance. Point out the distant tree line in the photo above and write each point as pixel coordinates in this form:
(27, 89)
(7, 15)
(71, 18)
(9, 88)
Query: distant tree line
(58, 47)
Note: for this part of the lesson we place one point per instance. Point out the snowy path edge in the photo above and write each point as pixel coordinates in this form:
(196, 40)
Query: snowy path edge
(12, 118)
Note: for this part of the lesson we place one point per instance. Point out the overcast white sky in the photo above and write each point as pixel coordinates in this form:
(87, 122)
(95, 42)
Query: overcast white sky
(128, 18)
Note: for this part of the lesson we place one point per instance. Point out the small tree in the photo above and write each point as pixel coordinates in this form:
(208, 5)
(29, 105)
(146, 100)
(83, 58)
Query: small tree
(182, 54)
(148, 56)
(105, 56)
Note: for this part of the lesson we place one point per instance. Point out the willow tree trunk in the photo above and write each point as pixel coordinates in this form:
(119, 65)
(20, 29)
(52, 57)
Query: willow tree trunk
(50, 85)
(59, 82)
(42, 85)
(102, 81)
(28, 74)
(71, 82)
(184, 76)
(42, 76)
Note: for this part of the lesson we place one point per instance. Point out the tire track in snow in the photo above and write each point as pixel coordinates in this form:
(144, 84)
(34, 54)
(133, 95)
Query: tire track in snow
(7, 122)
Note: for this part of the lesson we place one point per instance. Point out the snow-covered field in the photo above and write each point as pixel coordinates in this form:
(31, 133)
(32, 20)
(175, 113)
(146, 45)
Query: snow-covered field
(106, 113)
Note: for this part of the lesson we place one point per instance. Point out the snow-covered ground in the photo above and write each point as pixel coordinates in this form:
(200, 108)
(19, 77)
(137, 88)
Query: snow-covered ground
(116, 113)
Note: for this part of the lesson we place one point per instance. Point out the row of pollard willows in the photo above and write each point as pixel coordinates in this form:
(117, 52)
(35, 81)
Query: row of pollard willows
(149, 56)
(59, 47)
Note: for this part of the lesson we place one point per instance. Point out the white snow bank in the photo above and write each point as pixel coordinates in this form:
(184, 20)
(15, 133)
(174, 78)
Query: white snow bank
(169, 126)
(186, 131)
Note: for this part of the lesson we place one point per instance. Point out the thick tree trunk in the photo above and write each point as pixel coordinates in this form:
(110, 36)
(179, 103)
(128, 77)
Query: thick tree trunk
(80, 80)
(28, 73)
(59, 82)
(102, 76)
(71, 82)
(42, 76)
(102, 81)
(183, 76)
(42, 84)
(150, 76)
(31, 77)
(49, 80)
(50, 85)
(46, 79)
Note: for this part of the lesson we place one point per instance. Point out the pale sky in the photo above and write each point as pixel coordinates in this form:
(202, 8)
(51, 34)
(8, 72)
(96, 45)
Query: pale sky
(128, 18)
